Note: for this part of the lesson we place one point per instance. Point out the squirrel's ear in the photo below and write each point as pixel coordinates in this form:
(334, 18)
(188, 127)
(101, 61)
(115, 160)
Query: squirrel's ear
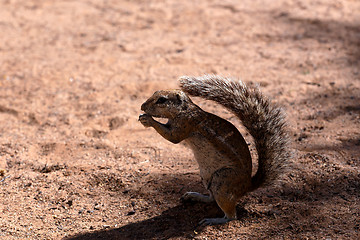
(178, 97)
(180, 100)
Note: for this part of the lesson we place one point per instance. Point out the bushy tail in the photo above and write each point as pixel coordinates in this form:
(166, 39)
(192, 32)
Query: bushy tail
(264, 121)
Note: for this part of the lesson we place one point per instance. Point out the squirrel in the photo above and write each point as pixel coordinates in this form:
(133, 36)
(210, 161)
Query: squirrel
(222, 153)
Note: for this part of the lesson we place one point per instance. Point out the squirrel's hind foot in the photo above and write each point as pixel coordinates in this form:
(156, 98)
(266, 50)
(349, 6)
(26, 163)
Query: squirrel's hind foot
(196, 197)
(214, 221)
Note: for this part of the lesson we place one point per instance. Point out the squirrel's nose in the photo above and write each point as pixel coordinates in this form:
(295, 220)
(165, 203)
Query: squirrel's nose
(143, 106)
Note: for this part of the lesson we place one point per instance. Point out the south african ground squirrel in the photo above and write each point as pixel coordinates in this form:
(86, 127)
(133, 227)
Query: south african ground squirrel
(219, 148)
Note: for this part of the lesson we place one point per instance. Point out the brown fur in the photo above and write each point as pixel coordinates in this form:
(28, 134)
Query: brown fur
(220, 150)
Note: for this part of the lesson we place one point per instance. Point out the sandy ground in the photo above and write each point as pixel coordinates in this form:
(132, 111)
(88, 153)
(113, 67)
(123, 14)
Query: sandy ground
(77, 164)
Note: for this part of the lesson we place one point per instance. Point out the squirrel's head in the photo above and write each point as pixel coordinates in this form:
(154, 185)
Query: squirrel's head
(166, 104)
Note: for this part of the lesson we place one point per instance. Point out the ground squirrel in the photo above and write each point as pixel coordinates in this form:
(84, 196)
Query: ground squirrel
(219, 148)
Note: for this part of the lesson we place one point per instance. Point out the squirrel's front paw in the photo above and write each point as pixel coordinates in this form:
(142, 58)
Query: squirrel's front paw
(146, 120)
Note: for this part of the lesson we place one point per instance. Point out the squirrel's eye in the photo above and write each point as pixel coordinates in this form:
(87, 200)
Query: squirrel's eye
(161, 100)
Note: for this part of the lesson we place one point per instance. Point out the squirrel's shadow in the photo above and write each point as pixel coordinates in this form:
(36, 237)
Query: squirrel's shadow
(179, 221)
(182, 220)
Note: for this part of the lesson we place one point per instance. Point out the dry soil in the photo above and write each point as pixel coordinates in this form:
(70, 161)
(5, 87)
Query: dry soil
(76, 164)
